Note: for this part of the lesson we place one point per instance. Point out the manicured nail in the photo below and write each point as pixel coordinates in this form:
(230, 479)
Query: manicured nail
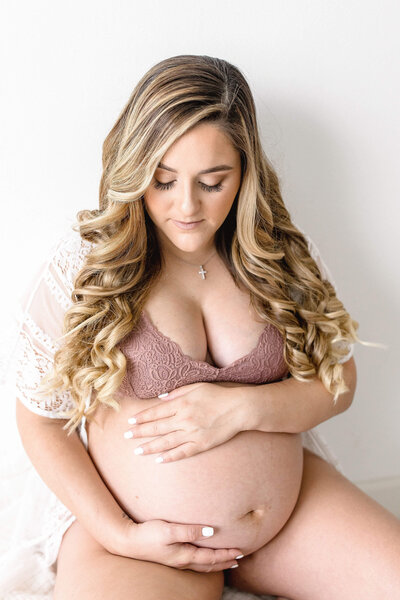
(240, 556)
(128, 435)
(233, 566)
(132, 421)
(159, 459)
(163, 395)
(207, 531)
(138, 450)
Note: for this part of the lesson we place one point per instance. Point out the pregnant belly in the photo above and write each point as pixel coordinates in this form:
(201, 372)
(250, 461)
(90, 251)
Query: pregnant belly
(246, 488)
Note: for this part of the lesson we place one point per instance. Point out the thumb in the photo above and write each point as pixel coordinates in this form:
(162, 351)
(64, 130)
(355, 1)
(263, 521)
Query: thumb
(191, 533)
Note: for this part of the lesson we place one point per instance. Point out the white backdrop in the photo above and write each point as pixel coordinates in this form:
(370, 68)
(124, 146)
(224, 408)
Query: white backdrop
(325, 77)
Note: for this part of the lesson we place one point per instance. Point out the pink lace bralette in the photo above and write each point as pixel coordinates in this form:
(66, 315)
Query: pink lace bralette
(156, 364)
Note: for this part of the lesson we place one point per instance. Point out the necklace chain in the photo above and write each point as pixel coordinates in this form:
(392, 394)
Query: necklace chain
(202, 271)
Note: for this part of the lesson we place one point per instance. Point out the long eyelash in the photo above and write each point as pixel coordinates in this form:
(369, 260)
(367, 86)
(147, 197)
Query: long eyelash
(207, 188)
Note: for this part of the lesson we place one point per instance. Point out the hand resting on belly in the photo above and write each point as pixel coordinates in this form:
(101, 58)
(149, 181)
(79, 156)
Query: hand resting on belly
(246, 488)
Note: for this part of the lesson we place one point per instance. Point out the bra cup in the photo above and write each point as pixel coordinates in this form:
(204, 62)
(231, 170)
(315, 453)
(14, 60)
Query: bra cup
(156, 363)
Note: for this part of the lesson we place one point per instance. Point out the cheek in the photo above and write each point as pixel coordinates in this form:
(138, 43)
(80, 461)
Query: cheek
(222, 208)
(153, 206)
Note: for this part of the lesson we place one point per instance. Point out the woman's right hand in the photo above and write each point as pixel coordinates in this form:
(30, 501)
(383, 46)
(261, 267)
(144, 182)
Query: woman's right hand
(170, 544)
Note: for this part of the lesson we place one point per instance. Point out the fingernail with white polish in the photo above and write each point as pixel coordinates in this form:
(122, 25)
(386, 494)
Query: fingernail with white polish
(207, 531)
(128, 435)
(163, 395)
(132, 420)
(159, 459)
(233, 566)
(138, 450)
(240, 556)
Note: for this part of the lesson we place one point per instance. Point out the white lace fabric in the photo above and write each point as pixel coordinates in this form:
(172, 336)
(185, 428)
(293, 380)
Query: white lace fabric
(28, 555)
(42, 310)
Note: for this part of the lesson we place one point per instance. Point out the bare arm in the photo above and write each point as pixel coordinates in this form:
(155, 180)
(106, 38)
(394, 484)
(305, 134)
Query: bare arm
(67, 469)
(292, 406)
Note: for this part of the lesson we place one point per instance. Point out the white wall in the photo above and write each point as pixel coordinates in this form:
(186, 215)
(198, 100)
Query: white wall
(325, 78)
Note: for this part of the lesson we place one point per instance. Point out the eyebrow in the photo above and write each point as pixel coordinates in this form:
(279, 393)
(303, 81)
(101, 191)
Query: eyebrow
(211, 170)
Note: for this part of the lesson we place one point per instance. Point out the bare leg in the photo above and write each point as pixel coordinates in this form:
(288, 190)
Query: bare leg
(337, 543)
(86, 571)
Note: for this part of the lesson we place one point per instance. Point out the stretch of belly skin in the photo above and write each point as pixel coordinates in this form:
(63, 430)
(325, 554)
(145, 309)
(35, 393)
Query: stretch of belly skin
(245, 488)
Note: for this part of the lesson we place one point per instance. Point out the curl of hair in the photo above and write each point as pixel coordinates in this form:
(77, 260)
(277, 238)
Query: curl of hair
(261, 247)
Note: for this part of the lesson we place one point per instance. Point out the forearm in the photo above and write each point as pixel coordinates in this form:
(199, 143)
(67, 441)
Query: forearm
(292, 406)
(67, 469)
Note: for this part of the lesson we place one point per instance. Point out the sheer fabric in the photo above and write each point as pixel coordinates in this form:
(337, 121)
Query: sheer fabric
(32, 519)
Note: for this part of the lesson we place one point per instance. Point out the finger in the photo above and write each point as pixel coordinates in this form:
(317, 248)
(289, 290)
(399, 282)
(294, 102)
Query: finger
(153, 429)
(184, 450)
(180, 532)
(206, 557)
(182, 535)
(211, 568)
(164, 442)
(158, 411)
(215, 556)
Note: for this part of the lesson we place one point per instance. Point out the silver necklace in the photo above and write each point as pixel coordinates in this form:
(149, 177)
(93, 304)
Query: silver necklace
(202, 271)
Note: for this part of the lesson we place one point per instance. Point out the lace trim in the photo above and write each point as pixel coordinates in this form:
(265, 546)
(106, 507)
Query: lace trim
(61, 297)
(69, 258)
(41, 335)
(31, 365)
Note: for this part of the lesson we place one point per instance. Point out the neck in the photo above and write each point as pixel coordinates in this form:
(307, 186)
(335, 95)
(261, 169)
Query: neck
(173, 255)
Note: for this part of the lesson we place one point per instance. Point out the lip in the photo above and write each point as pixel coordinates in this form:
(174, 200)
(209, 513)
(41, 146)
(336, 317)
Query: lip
(190, 225)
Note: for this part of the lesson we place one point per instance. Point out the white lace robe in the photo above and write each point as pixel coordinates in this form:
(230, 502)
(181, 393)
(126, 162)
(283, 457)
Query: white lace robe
(32, 519)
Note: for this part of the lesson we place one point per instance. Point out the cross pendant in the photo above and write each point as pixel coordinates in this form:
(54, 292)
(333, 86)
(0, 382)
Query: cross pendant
(202, 272)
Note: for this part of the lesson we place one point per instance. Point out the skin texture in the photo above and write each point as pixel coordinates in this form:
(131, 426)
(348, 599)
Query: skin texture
(245, 510)
(236, 487)
(338, 543)
(186, 200)
(333, 542)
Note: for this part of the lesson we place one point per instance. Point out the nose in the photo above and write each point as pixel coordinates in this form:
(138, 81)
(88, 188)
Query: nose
(187, 202)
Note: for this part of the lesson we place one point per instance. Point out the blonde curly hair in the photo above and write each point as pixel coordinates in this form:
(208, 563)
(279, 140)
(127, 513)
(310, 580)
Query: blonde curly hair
(260, 245)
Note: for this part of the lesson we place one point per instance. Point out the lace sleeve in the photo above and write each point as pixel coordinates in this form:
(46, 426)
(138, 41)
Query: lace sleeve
(326, 274)
(41, 312)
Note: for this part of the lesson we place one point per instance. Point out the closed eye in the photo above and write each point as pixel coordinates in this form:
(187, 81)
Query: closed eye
(207, 188)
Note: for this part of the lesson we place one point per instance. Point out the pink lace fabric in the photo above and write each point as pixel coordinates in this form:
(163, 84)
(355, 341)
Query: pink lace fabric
(156, 364)
(32, 517)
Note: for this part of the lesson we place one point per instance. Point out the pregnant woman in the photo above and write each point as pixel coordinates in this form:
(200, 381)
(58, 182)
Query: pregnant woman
(202, 339)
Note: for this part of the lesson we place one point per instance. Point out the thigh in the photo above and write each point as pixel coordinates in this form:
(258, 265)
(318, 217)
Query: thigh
(337, 543)
(85, 570)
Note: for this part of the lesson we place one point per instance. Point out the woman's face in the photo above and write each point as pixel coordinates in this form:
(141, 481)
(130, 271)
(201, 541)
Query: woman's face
(182, 190)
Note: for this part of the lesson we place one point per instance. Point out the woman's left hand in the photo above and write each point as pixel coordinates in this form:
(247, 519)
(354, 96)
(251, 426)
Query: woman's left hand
(191, 419)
